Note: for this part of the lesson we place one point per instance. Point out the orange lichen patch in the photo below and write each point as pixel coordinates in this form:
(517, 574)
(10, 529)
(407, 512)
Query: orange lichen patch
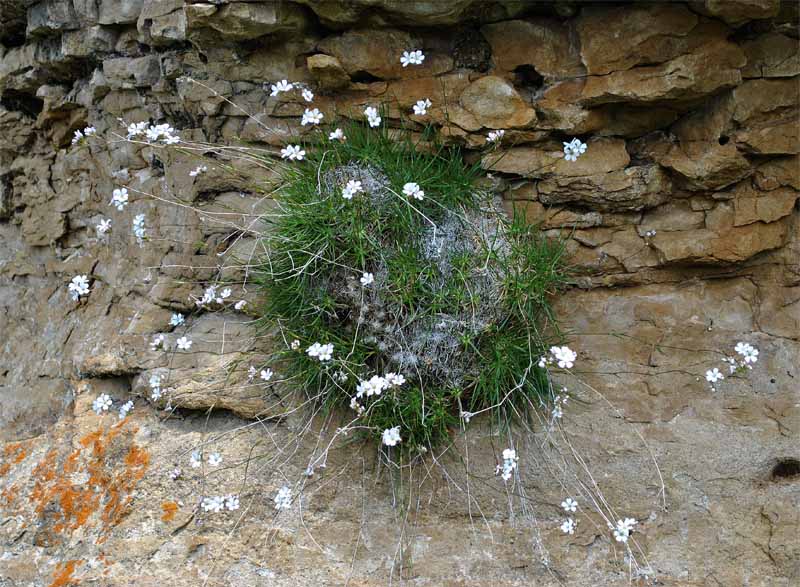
(170, 509)
(9, 494)
(13, 454)
(92, 485)
(62, 577)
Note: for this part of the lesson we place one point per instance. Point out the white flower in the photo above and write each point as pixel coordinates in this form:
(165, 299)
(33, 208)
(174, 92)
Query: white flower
(373, 386)
(713, 375)
(155, 387)
(467, 416)
(240, 305)
(281, 86)
(158, 341)
(308, 95)
(568, 527)
(311, 117)
(209, 295)
(569, 505)
(198, 170)
(574, 149)
(373, 118)
(119, 198)
(623, 529)
(177, 319)
(214, 459)
(391, 436)
(394, 379)
(213, 504)
(77, 137)
(195, 461)
(138, 228)
(136, 128)
(415, 57)
(355, 406)
(746, 350)
(495, 136)
(231, 502)
(295, 344)
(79, 286)
(283, 500)
(101, 403)
(564, 356)
(175, 474)
(337, 135)
(266, 374)
(293, 153)
(251, 373)
(352, 188)
(124, 409)
(162, 132)
(367, 279)
(650, 234)
(509, 463)
(557, 412)
(323, 352)
(412, 189)
(104, 226)
(421, 107)
(184, 343)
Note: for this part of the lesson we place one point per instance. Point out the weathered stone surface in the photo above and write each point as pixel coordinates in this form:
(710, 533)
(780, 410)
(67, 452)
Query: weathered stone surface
(771, 55)
(496, 104)
(711, 67)
(677, 144)
(242, 21)
(542, 44)
(616, 39)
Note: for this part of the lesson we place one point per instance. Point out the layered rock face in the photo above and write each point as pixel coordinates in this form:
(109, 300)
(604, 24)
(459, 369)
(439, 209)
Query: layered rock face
(690, 113)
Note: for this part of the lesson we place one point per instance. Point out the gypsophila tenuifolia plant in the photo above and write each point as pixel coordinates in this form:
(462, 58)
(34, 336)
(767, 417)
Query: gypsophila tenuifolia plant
(413, 295)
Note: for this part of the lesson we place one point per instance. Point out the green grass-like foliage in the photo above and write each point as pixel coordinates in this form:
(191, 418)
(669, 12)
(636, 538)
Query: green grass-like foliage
(463, 325)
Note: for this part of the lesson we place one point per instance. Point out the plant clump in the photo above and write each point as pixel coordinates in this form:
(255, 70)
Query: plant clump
(435, 302)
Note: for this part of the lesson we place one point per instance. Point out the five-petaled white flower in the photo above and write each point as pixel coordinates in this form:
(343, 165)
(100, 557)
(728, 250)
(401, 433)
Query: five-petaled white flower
(391, 436)
(295, 344)
(568, 527)
(394, 379)
(139, 230)
(311, 117)
(748, 351)
(569, 505)
(373, 118)
(101, 403)
(177, 319)
(623, 529)
(119, 198)
(198, 170)
(421, 107)
(281, 86)
(240, 305)
(213, 504)
(323, 352)
(231, 502)
(184, 343)
(352, 188)
(104, 226)
(283, 500)
(495, 136)
(415, 57)
(564, 356)
(293, 153)
(372, 386)
(124, 409)
(79, 286)
(137, 128)
(574, 149)
(195, 461)
(308, 95)
(214, 459)
(413, 190)
(266, 374)
(337, 135)
(713, 375)
(367, 279)
(509, 463)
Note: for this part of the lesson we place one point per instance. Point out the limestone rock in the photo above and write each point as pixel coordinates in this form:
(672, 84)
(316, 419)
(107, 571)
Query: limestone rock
(709, 68)
(51, 17)
(122, 72)
(327, 70)
(602, 156)
(542, 44)
(496, 104)
(119, 11)
(771, 55)
(242, 21)
(616, 39)
(737, 12)
(162, 21)
(707, 165)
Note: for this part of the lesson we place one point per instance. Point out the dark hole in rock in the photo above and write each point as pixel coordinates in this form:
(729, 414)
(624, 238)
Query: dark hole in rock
(21, 102)
(364, 77)
(203, 58)
(724, 139)
(527, 76)
(786, 469)
(471, 50)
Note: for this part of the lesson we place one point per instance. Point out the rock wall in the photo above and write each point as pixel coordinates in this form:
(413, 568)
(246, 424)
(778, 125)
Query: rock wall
(690, 112)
